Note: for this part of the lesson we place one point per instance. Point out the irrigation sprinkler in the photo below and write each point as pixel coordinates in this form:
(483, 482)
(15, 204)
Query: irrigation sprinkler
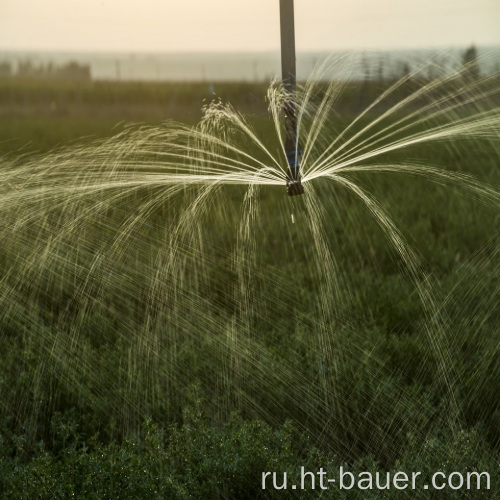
(288, 75)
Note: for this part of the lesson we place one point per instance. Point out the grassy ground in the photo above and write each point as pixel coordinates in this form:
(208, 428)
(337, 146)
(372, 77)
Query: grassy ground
(40, 115)
(132, 410)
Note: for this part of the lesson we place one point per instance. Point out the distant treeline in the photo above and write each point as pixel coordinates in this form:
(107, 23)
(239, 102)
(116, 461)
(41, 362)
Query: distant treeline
(69, 71)
(374, 67)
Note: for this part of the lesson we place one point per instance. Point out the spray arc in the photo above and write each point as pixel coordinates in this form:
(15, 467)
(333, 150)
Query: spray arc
(288, 73)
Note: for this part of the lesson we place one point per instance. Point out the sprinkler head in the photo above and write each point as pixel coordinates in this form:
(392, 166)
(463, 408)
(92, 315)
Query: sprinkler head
(295, 188)
(293, 181)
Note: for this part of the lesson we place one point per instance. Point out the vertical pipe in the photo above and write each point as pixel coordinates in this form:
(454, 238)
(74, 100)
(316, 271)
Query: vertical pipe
(289, 78)
(288, 69)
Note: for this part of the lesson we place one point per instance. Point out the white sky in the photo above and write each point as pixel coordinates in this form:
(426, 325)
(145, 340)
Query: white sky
(237, 25)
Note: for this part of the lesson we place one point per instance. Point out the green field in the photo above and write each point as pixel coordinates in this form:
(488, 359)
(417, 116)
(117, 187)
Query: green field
(163, 341)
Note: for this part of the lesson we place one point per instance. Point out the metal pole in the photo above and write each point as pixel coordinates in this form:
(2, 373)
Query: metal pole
(289, 77)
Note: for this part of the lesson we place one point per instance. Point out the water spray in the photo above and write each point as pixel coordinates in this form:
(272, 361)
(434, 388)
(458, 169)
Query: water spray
(288, 74)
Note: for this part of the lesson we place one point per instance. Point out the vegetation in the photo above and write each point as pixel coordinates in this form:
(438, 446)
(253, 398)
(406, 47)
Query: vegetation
(105, 395)
(199, 460)
(470, 63)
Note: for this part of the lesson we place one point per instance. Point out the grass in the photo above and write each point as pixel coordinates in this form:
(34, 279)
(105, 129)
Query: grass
(38, 115)
(140, 397)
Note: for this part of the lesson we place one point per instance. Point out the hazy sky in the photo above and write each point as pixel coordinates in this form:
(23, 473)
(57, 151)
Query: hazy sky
(252, 25)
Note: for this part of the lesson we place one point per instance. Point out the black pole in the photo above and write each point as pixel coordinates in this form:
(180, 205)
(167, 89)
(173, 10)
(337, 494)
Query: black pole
(289, 77)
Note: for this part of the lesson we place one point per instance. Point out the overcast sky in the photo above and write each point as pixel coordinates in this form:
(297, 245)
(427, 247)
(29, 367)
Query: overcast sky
(250, 25)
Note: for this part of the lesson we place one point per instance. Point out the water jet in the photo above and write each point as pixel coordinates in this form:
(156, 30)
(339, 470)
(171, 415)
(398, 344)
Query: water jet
(156, 269)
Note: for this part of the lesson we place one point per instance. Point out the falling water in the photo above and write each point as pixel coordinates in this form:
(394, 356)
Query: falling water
(166, 264)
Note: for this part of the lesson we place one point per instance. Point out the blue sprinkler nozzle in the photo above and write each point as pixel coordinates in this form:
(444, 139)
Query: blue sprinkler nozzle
(294, 185)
